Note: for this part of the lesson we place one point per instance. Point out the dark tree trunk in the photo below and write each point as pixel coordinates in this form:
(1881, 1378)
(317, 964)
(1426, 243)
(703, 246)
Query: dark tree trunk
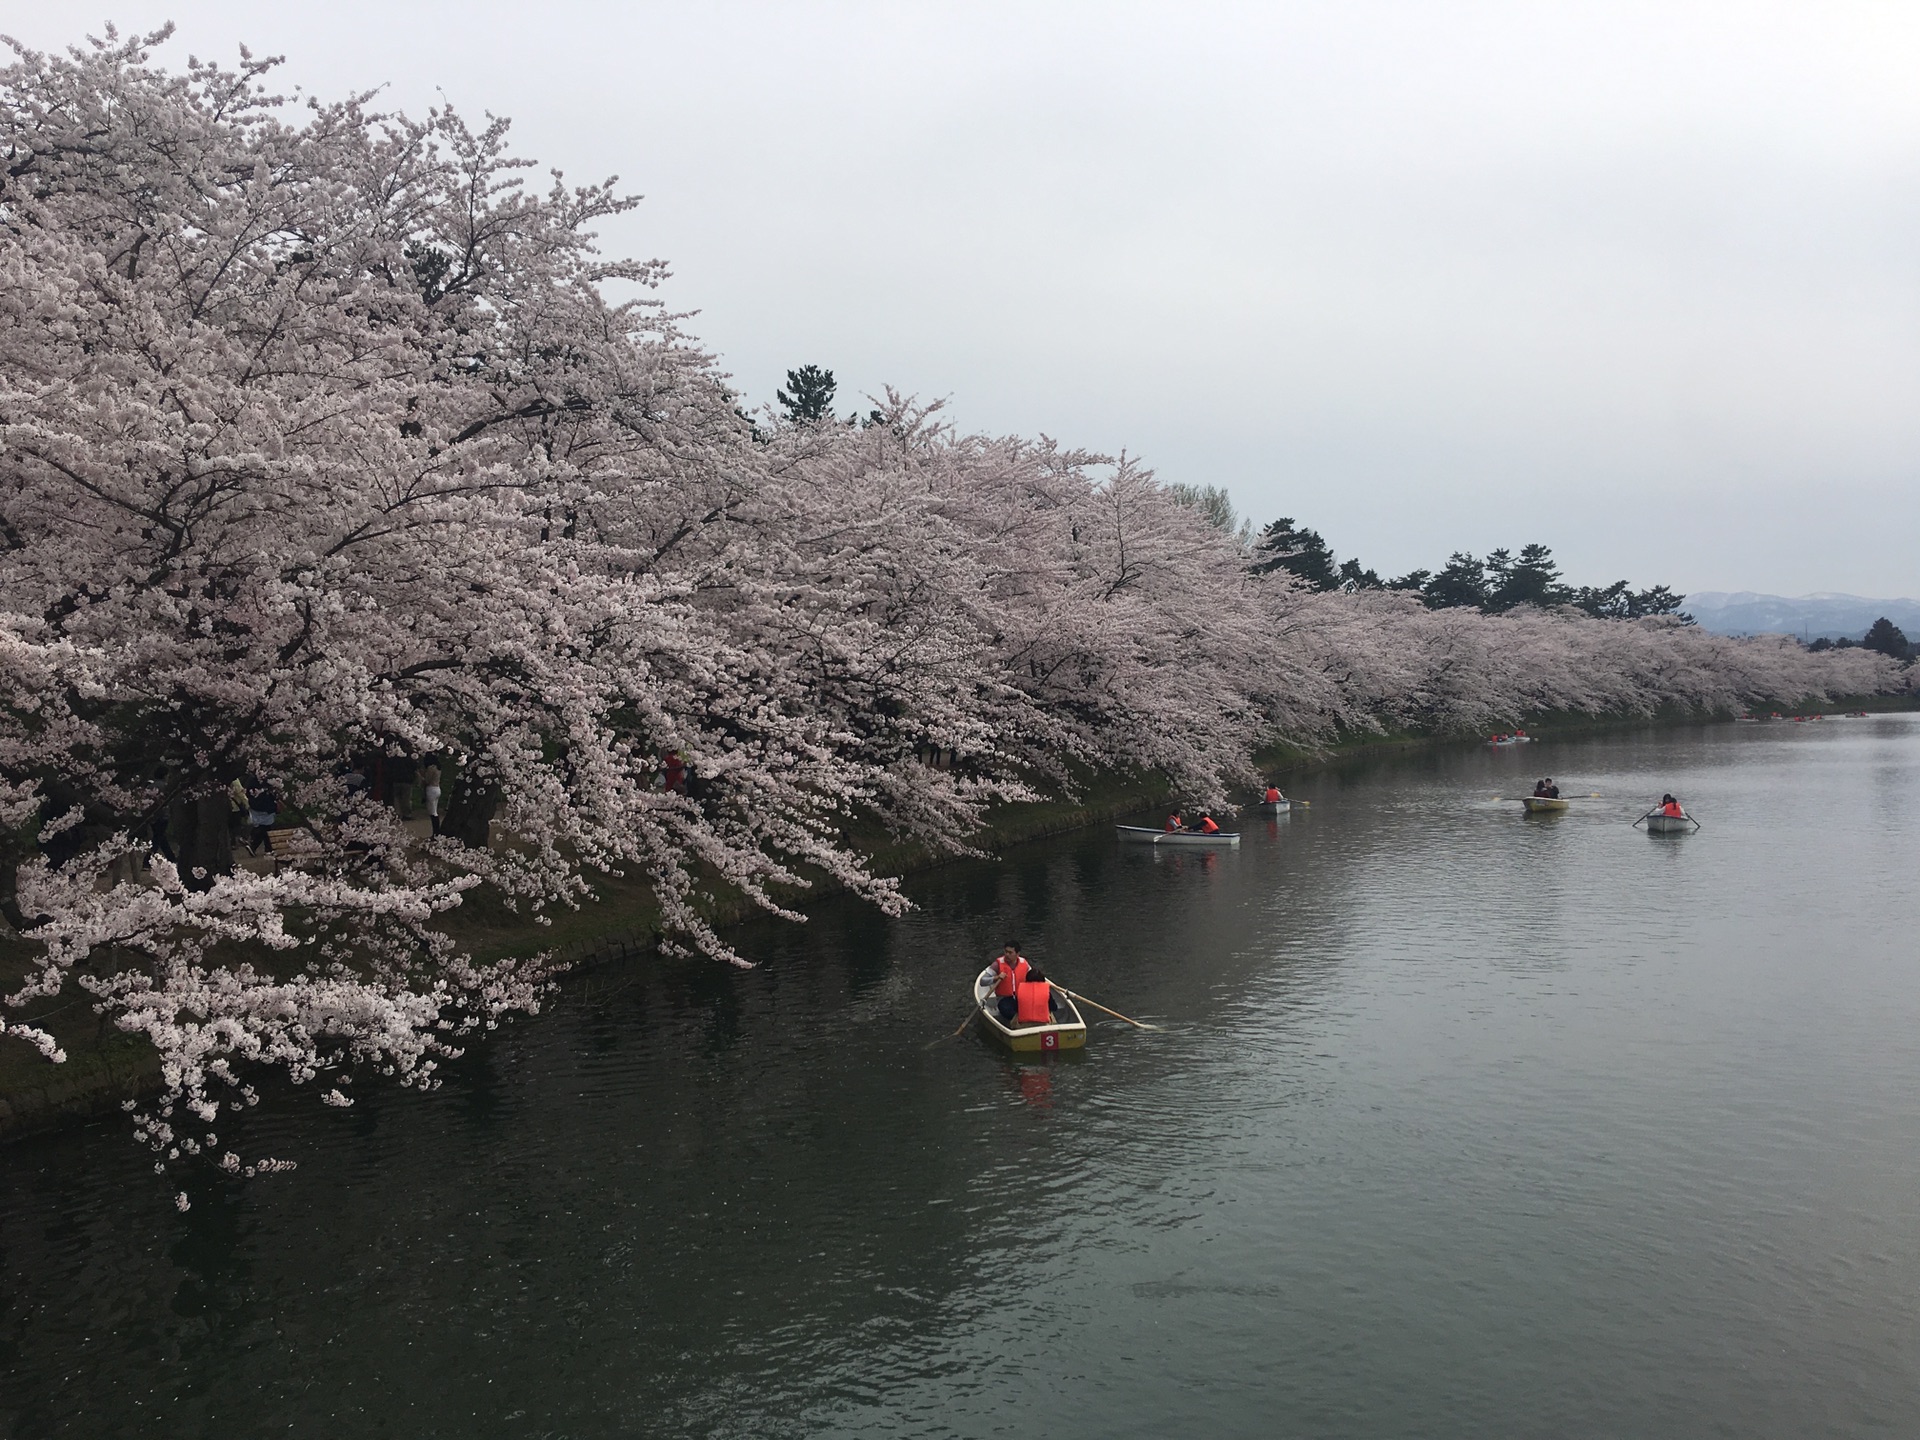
(201, 833)
(470, 809)
(10, 893)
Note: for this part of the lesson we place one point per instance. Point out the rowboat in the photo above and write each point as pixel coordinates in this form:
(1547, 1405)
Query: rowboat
(1272, 807)
(1669, 824)
(1029, 1039)
(1147, 835)
(1543, 804)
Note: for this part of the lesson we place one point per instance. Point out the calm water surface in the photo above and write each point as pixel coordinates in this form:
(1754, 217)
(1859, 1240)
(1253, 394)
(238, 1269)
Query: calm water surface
(1461, 1124)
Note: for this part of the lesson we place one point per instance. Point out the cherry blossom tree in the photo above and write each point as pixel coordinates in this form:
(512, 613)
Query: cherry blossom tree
(327, 441)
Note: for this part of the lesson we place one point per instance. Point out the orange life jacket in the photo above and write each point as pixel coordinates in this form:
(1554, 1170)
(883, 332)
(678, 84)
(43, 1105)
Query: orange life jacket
(1673, 811)
(1034, 1003)
(1173, 822)
(1207, 826)
(1273, 795)
(1009, 975)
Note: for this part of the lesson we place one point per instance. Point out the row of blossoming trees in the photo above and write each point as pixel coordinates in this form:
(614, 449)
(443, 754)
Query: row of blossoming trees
(329, 436)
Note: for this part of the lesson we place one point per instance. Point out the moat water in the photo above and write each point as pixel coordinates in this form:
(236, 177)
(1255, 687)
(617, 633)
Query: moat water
(1459, 1124)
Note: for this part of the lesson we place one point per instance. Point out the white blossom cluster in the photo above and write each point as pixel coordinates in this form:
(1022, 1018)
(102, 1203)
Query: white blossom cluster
(328, 437)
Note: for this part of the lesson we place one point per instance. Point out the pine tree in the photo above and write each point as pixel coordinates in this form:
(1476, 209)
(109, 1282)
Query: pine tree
(812, 392)
(1462, 583)
(1888, 638)
(1299, 551)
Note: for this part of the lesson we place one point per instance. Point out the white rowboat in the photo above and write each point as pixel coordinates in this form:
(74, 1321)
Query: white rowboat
(1271, 807)
(1146, 835)
(1064, 1034)
(1669, 824)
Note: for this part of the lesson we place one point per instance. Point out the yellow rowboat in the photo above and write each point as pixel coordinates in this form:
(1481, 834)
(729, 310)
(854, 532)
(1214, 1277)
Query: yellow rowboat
(1029, 1039)
(1543, 805)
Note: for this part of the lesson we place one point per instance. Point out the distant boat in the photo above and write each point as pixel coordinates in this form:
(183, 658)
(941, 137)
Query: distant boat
(1544, 804)
(1518, 738)
(1669, 824)
(1146, 835)
(1029, 1039)
(1271, 807)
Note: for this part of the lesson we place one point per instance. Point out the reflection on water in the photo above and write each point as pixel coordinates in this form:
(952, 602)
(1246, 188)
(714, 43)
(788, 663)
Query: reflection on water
(1458, 1124)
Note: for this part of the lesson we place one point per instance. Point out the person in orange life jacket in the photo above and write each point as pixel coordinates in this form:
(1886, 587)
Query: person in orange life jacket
(1274, 797)
(1174, 823)
(1037, 1002)
(1010, 967)
(1670, 807)
(1207, 827)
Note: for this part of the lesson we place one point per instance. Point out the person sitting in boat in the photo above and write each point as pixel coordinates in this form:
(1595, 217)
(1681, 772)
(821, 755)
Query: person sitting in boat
(1670, 808)
(1274, 797)
(1206, 826)
(1540, 789)
(1175, 823)
(1037, 1003)
(1010, 967)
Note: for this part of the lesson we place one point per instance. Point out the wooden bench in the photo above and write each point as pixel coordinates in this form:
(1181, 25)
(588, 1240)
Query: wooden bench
(291, 843)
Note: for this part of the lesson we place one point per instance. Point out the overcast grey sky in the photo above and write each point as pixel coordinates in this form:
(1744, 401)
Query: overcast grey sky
(1640, 281)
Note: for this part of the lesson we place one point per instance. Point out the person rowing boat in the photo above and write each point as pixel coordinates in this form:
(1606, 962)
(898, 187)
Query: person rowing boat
(1009, 969)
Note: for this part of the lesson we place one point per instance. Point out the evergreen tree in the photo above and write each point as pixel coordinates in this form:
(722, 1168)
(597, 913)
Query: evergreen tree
(1282, 546)
(1462, 583)
(1530, 578)
(1354, 576)
(1888, 638)
(811, 393)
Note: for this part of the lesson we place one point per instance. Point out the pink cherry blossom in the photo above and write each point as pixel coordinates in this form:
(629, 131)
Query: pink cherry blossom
(327, 437)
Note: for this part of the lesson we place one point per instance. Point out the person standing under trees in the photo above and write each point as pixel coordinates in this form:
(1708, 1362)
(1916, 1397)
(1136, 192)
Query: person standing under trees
(430, 792)
(237, 807)
(401, 773)
(263, 813)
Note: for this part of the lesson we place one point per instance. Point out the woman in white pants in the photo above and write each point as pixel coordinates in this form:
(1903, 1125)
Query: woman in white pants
(430, 789)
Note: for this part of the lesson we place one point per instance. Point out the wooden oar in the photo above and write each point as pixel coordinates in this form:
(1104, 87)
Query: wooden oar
(1098, 1006)
(956, 1034)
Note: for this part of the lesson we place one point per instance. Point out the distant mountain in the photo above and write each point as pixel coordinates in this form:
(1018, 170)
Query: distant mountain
(1810, 616)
